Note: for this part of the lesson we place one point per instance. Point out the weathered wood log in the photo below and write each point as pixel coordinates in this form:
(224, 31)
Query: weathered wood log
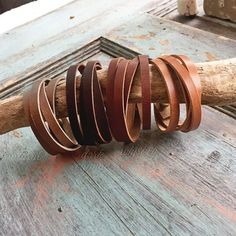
(187, 7)
(218, 81)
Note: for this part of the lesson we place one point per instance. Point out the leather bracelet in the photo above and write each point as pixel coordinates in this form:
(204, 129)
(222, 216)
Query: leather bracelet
(188, 87)
(192, 70)
(57, 126)
(93, 115)
(126, 117)
(72, 103)
(53, 124)
(167, 125)
(110, 91)
(194, 75)
(146, 91)
(37, 122)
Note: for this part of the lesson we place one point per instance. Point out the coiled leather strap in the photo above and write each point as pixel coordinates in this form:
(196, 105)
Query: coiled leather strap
(72, 103)
(193, 118)
(38, 124)
(146, 91)
(64, 122)
(93, 115)
(125, 116)
(194, 75)
(167, 124)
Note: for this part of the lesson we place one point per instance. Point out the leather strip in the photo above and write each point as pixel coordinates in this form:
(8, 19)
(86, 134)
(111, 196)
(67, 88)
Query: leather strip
(72, 103)
(146, 91)
(52, 122)
(56, 126)
(93, 115)
(37, 122)
(193, 73)
(51, 95)
(110, 91)
(194, 117)
(126, 117)
(192, 70)
(170, 124)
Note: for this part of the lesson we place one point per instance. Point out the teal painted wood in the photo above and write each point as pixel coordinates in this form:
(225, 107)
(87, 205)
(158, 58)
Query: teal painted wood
(54, 35)
(176, 184)
(155, 36)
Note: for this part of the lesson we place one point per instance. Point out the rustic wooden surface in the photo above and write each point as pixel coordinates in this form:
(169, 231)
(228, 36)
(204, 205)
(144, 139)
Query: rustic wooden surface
(224, 9)
(168, 10)
(175, 184)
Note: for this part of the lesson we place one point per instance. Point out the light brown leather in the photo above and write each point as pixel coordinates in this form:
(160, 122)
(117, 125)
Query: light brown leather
(38, 123)
(190, 93)
(125, 117)
(167, 124)
(146, 91)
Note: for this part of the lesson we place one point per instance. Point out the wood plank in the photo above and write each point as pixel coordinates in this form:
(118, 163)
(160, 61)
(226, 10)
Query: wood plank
(142, 184)
(26, 13)
(36, 48)
(200, 21)
(154, 36)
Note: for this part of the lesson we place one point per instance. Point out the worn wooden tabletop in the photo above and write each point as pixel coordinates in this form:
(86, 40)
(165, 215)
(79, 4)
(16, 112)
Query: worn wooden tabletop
(165, 184)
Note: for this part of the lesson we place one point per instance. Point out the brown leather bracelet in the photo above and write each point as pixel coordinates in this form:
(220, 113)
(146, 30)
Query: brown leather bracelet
(49, 112)
(188, 87)
(110, 91)
(72, 103)
(93, 115)
(194, 75)
(192, 70)
(126, 117)
(37, 122)
(146, 91)
(170, 124)
(51, 95)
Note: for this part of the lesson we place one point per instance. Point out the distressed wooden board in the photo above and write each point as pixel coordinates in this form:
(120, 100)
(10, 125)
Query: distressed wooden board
(168, 10)
(60, 35)
(177, 184)
(155, 36)
(224, 9)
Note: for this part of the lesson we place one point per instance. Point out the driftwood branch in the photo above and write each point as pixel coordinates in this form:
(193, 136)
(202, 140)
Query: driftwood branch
(218, 81)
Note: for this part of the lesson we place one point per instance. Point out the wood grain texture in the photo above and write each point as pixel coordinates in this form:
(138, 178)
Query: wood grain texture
(60, 35)
(168, 10)
(163, 185)
(224, 9)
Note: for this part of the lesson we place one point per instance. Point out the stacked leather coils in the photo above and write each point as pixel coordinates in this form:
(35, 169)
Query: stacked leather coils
(94, 120)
